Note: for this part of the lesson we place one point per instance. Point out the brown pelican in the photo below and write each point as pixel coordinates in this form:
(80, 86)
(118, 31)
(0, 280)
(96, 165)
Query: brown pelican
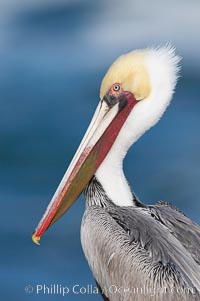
(135, 251)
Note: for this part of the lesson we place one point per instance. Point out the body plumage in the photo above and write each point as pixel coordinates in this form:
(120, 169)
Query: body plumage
(140, 252)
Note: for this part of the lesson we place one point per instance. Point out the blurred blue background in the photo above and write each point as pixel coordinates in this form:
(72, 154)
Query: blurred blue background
(53, 55)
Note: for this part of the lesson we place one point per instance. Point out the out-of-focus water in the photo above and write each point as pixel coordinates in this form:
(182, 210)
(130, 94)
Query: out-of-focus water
(52, 59)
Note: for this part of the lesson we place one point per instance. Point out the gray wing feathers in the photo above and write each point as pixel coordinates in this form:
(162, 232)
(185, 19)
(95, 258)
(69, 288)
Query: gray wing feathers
(185, 230)
(159, 232)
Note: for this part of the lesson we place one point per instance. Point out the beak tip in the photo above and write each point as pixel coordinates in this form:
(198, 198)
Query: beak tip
(35, 239)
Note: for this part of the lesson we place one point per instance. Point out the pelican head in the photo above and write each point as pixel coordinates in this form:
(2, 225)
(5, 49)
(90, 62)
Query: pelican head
(134, 94)
(150, 75)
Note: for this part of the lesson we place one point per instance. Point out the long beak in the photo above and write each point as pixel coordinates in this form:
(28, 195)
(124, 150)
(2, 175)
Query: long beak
(106, 123)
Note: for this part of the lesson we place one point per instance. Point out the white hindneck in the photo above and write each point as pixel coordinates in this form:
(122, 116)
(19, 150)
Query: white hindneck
(162, 67)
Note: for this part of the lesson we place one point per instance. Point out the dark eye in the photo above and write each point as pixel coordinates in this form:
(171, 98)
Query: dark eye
(116, 87)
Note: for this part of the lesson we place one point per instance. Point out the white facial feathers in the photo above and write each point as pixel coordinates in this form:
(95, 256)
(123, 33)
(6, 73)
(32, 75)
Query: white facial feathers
(162, 68)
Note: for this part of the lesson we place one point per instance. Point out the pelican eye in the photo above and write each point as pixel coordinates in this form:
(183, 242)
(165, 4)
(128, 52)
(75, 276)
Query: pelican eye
(116, 87)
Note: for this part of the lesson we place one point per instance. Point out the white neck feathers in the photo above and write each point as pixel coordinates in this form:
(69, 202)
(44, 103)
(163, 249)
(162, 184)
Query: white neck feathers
(162, 67)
